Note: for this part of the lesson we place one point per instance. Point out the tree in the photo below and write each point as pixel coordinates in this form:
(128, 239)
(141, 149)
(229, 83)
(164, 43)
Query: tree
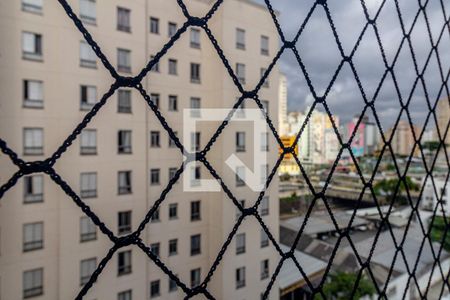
(438, 230)
(340, 285)
(386, 187)
(431, 145)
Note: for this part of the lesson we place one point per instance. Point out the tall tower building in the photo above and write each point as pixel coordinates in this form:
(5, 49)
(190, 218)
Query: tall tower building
(443, 115)
(282, 105)
(120, 164)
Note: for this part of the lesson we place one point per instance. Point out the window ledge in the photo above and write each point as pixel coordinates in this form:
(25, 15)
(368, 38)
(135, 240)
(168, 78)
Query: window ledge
(88, 64)
(32, 57)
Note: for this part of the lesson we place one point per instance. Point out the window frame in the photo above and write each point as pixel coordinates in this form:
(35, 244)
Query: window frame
(88, 193)
(126, 258)
(33, 150)
(28, 102)
(124, 176)
(127, 12)
(37, 240)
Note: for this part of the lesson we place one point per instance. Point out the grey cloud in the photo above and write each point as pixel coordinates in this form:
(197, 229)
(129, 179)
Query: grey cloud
(320, 55)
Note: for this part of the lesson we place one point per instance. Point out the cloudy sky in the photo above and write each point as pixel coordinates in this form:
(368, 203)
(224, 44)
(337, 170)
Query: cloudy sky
(320, 54)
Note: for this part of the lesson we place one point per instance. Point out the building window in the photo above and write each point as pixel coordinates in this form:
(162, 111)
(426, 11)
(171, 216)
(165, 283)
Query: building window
(123, 19)
(124, 222)
(88, 185)
(88, 142)
(124, 141)
(195, 104)
(154, 25)
(240, 141)
(34, 6)
(195, 73)
(33, 236)
(171, 142)
(88, 230)
(155, 290)
(173, 66)
(33, 143)
(172, 29)
(240, 277)
(264, 269)
(195, 277)
(195, 38)
(154, 248)
(88, 11)
(240, 72)
(240, 243)
(124, 101)
(88, 58)
(33, 93)
(265, 141)
(266, 82)
(155, 176)
(88, 96)
(125, 295)
(195, 211)
(240, 38)
(195, 141)
(33, 283)
(264, 239)
(33, 189)
(155, 217)
(240, 176)
(264, 206)
(195, 244)
(87, 267)
(155, 139)
(32, 46)
(172, 173)
(196, 175)
(124, 60)
(124, 263)
(173, 103)
(155, 67)
(124, 182)
(155, 99)
(172, 285)
(264, 45)
(173, 247)
(173, 211)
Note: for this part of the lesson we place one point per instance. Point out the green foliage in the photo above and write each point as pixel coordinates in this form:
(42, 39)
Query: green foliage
(285, 177)
(438, 230)
(387, 187)
(292, 198)
(339, 286)
(431, 145)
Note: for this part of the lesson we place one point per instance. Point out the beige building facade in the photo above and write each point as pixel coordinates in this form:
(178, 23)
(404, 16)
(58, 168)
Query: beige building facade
(121, 163)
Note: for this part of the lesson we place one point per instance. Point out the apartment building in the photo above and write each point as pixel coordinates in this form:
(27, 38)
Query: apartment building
(121, 163)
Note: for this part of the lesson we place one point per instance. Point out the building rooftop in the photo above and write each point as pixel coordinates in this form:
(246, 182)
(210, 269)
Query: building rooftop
(290, 276)
(322, 222)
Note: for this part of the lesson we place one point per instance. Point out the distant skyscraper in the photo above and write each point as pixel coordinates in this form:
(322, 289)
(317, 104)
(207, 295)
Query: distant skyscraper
(358, 141)
(403, 139)
(282, 105)
(443, 115)
(318, 143)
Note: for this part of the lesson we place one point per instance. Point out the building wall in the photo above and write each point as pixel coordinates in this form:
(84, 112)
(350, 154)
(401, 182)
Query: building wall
(62, 77)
